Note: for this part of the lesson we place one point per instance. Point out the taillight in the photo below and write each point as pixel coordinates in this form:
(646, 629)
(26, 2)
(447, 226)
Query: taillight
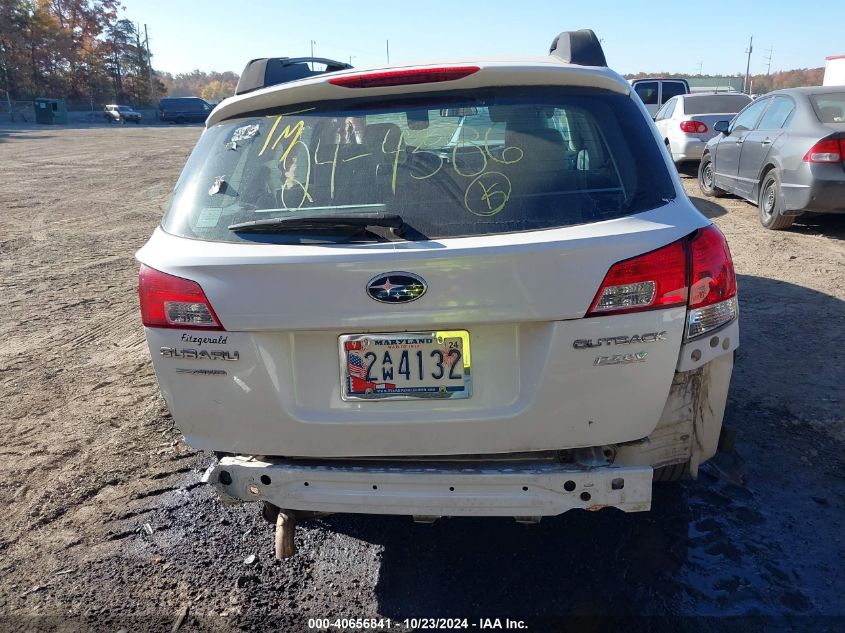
(404, 77)
(655, 280)
(173, 302)
(712, 297)
(828, 151)
(659, 280)
(693, 127)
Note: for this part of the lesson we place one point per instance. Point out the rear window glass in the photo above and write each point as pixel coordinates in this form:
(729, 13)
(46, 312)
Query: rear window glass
(452, 164)
(716, 104)
(673, 89)
(830, 108)
(647, 92)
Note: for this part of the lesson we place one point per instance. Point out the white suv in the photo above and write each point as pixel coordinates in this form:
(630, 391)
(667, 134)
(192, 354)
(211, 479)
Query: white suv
(473, 288)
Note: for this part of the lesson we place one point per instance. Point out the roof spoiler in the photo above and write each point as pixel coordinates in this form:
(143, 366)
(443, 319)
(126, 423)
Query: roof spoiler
(270, 71)
(578, 47)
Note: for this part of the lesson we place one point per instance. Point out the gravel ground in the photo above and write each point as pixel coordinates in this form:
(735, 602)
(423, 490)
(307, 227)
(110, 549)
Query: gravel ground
(106, 525)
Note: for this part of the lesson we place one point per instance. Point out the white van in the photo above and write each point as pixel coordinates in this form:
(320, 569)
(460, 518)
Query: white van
(654, 92)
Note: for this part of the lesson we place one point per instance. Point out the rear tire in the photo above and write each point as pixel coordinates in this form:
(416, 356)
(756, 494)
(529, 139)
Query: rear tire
(707, 179)
(770, 204)
(673, 472)
(180, 120)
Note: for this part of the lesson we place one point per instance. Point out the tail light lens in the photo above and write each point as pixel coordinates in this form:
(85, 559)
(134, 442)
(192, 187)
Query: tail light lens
(404, 77)
(655, 280)
(697, 272)
(173, 302)
(828, 151)
(712, 299)
(693, 127)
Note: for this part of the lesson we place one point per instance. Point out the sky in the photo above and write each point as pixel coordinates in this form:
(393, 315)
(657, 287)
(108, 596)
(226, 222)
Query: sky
(678, 37)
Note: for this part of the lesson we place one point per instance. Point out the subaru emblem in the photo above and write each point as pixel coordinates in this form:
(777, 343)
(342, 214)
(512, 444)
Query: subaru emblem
(396, 287)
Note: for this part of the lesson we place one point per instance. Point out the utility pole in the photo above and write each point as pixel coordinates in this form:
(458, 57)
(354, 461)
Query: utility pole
(137, 49)
(745, 86)
(700, 66)
(387, 43)
(149, 67)
(312, 54)
(769, 60)
(351, 57)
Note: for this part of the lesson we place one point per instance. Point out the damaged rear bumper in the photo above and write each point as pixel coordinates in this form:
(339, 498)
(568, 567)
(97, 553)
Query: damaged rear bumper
(510, 489)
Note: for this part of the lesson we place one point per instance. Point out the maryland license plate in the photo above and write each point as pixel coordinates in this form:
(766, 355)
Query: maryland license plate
(405, 365)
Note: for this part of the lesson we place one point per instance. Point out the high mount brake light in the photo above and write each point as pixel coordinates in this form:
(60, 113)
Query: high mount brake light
(173, 302)
(693, 127)
(659, 279)
(404, 77)
(828, 151)
(655, 280)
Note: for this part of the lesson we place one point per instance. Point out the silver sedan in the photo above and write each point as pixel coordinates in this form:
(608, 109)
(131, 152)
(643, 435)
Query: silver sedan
(785, 152)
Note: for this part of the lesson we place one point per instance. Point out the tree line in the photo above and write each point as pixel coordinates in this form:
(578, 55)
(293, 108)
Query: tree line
(78, 50)
(211, 86)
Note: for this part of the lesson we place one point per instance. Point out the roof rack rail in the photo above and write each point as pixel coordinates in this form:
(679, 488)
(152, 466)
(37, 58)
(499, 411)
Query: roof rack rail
(270, 71)
(578, 47)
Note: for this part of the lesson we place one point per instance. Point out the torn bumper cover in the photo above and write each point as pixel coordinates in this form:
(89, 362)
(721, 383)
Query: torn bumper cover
(433, 489)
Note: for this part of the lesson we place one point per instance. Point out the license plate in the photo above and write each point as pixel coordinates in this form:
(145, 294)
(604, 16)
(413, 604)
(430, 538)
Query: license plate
(405, 365)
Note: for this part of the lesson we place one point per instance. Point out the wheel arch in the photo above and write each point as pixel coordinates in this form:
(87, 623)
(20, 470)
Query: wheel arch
(768, 166)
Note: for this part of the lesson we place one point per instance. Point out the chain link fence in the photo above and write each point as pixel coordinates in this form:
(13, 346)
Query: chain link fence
(17, 111)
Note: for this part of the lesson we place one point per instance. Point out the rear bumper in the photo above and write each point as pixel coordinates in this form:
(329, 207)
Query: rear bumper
(823, 192)
(509, 489)
(687, 149)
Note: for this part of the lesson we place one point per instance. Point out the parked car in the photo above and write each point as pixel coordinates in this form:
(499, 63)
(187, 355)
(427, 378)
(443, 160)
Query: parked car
(654, 92)
(686, 122)
(360, 311)
(785, 152)
(121, 114)
(183, 110)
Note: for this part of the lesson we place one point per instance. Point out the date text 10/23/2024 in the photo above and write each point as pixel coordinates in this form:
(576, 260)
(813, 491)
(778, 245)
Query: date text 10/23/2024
(363, 624)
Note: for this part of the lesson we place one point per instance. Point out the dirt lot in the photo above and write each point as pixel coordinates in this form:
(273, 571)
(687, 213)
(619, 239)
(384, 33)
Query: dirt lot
(106, 526)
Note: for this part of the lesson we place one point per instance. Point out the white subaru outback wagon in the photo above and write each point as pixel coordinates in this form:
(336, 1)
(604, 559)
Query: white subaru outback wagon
(472, 288)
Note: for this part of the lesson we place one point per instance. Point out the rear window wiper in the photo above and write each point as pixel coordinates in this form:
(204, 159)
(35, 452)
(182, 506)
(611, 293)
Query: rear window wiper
(356, 222)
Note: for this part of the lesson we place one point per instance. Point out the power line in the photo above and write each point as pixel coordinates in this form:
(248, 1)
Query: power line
(745, 86)
(769, 60)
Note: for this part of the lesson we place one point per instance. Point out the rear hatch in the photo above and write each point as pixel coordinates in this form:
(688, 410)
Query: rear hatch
(421, 276)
